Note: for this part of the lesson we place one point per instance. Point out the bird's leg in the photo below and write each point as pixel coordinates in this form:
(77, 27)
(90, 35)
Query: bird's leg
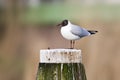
(73, 43)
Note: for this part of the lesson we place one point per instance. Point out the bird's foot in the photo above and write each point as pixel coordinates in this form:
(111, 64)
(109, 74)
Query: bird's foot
(70, 48)
(48, 47)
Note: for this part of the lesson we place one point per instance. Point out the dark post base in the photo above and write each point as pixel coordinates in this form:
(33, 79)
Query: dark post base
(61, 71)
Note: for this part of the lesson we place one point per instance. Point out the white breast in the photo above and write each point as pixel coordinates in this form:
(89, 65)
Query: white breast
(66, 33)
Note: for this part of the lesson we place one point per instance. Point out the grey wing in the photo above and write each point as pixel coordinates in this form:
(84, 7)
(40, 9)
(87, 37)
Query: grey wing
(78, 31)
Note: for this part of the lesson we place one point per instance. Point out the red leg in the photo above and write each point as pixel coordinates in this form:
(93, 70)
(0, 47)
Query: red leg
(73, 43)
(70, 44)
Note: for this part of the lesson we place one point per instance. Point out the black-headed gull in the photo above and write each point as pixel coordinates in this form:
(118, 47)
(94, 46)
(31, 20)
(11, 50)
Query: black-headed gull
(73, 32)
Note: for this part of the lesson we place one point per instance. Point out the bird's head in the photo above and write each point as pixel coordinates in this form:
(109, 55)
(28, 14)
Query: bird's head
(63, 23)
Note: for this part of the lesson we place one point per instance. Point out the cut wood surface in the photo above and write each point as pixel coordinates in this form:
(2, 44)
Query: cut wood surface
(60, 56)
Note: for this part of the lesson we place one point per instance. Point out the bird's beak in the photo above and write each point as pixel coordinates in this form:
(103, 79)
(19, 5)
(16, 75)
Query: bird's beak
(59, 25)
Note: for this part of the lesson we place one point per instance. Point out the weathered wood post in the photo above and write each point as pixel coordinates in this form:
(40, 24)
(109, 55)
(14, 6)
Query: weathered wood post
(61, 64)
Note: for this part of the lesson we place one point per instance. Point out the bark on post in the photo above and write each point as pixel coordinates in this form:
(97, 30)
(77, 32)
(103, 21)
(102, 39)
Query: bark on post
(61, 64)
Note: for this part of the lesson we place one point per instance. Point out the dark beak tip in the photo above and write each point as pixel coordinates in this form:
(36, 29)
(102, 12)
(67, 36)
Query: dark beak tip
(57, 25)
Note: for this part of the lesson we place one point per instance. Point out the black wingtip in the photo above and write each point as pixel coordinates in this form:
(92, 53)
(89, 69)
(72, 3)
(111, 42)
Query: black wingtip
(92, 31)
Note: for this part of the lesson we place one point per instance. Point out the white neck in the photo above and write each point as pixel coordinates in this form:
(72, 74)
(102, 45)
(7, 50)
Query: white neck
(69, 23)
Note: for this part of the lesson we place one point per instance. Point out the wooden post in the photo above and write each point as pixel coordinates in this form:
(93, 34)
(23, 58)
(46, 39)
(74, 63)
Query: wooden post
(61, 64)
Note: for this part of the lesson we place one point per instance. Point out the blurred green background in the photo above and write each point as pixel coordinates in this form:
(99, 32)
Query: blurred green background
(27, 26)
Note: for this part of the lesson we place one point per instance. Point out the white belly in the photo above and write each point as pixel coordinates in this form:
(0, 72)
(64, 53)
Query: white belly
(65, 31)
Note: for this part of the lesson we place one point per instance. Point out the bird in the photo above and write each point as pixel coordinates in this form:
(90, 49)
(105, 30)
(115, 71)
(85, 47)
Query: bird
(73, 32)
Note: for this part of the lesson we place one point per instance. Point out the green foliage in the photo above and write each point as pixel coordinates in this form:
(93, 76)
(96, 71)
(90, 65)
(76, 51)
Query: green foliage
(48, 14)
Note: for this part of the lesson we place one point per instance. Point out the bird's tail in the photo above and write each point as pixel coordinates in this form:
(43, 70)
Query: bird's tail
(92, 31)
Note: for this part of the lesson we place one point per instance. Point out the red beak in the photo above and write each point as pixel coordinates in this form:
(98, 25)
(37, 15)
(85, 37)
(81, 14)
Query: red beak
(59, 25)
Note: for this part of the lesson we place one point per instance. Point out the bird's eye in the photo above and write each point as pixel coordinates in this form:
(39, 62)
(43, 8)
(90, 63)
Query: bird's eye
(65, 22)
